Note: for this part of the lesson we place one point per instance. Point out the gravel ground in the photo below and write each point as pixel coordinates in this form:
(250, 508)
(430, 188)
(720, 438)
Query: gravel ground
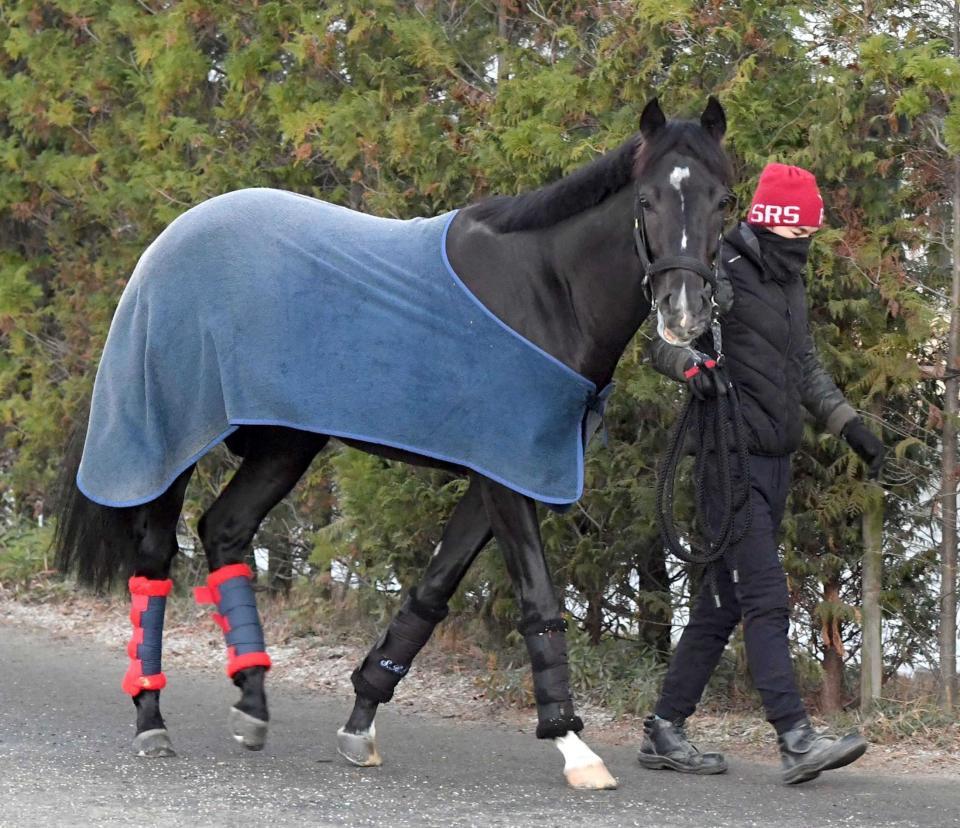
(445, 683)
(65, 760)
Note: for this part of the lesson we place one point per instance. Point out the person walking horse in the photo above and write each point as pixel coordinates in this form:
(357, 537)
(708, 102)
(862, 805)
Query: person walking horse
(769, 358)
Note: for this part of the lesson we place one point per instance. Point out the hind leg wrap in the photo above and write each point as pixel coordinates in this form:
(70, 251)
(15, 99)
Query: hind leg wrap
(391, 657)
(229, 588)
(547, 644)
(148, 603)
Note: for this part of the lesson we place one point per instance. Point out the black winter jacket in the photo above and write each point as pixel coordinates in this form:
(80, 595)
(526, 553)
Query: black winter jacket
(768, 352)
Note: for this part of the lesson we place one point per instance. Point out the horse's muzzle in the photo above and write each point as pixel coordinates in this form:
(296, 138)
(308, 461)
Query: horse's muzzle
(679, 335)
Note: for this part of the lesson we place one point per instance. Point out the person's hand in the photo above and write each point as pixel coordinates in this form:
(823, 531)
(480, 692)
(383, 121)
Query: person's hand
(705, 378)
(867, 445)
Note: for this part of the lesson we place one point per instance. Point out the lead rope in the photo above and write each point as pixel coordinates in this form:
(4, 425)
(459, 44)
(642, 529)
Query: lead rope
(726, 413)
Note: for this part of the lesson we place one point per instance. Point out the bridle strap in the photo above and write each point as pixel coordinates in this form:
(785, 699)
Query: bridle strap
(683, 263)
(640, 237)
(651, 268)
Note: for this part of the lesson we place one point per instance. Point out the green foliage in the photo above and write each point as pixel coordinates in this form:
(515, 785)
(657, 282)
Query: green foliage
(918, 720)
(622, 676)
(23, 556)
(619, 674)
(392, 520)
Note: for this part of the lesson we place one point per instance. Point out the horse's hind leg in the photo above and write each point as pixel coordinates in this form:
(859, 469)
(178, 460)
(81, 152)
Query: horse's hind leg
(274, 460)
(513, 518)
(465, 534)
(155, 531)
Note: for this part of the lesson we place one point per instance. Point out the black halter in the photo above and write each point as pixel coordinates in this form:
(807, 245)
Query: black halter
(651, 267)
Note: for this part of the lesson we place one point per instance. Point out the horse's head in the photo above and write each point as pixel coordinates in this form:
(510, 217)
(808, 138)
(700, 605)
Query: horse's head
(682, 196)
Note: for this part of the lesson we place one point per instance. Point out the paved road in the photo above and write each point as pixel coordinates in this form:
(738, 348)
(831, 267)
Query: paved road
(65, 729)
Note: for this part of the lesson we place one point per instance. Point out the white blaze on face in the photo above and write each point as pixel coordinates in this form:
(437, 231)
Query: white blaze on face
(677, 177)
(684, 307)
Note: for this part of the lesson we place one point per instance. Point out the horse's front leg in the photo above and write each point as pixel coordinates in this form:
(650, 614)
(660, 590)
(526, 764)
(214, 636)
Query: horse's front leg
(513, 519)
(465, 534)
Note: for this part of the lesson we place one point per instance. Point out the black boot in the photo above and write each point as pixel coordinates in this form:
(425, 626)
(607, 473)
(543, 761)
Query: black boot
(665, 746)
(806, 754)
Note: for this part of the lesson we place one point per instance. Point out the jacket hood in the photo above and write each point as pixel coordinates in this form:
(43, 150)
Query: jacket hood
(742, 239)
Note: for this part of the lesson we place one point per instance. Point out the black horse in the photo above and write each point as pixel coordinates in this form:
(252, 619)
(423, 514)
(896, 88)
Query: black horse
(575, 268)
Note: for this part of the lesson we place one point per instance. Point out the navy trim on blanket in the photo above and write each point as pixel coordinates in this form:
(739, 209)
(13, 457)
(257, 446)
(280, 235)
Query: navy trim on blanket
(364, 438)
(123, 504)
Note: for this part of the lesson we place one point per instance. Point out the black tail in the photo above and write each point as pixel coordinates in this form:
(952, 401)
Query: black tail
(96, 542)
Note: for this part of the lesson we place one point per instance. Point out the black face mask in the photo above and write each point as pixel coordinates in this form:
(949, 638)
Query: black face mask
(784, 259)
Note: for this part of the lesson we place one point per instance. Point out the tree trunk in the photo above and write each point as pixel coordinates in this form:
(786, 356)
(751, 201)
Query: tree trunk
(250, 557)
(655, 623)
(594, 619)
(280, 567)
(948, 492)
(274, 540)
(502, 32)
(831, 694)
(871, 649)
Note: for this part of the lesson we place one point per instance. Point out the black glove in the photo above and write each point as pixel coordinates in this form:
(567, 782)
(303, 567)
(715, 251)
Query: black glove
(705, 378)
(866, 444)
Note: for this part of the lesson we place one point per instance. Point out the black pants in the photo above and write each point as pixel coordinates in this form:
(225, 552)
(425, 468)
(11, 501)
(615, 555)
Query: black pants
(759, 599)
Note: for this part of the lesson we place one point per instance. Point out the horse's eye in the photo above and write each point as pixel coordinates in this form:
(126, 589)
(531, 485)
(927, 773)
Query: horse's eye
(644, 202)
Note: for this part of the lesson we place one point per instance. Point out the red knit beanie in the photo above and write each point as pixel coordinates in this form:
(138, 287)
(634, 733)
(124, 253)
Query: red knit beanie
(786, 196)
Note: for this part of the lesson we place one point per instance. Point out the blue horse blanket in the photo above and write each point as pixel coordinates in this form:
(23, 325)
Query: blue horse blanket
(270, 308)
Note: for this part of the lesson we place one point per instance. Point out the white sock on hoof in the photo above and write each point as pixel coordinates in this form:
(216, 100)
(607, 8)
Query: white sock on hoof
(370, 734)
(575, 752)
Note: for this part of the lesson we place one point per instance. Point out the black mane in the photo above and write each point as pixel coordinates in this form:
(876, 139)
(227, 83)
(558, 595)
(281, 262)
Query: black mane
(601, 178)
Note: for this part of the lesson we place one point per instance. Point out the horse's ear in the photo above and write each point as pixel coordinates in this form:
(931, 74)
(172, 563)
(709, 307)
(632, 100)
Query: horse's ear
(714, 119)
(652, 118)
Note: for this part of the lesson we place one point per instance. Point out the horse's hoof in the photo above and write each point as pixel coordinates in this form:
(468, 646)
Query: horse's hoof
(591, 778)
(153, 744)
(359, 749)
(248, 730)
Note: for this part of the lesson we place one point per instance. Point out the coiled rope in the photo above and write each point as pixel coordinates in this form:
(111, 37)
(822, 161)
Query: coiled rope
(723, 412)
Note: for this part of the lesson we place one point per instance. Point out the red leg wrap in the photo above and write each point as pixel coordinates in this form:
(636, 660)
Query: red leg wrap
(134, 681)
(210, 594)
(142, 590)
(236, 663)
(145, 586)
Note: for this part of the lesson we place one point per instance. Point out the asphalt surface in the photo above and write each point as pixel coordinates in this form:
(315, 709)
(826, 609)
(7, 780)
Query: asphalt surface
(65, 730)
